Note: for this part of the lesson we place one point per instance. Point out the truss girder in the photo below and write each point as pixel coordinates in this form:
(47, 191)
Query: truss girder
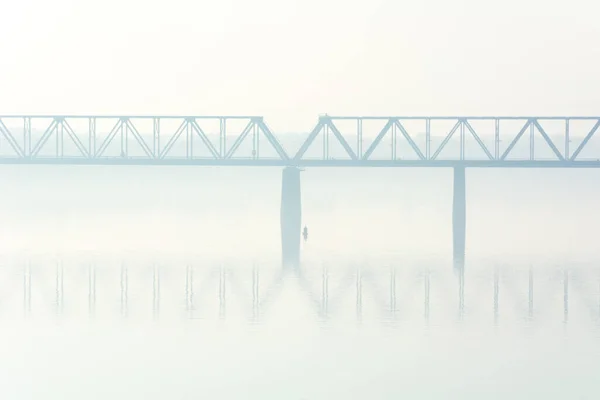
(29, 138)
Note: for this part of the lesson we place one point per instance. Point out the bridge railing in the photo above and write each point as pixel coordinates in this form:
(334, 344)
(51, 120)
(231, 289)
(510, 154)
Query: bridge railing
(351, 139)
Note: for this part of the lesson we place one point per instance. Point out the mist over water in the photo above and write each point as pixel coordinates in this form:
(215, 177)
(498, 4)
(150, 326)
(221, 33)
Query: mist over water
(350, 212)
(376, 337)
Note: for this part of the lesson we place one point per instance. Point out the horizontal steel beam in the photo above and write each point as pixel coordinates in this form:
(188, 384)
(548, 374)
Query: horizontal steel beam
(449, 118)
(331, 117)
(109, 116)
(240, 162)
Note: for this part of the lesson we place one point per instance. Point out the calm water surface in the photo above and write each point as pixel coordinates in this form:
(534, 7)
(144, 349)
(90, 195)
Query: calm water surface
(375, 312)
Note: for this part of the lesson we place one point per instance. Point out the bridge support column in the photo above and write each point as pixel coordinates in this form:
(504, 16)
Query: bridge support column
(291, 217)
(459, 218)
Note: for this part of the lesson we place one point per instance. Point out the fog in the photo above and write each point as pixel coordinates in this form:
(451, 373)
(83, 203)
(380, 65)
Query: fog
(146, 282)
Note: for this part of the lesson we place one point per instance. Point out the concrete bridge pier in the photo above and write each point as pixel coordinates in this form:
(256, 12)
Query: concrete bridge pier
(291, 217)
(459, 218)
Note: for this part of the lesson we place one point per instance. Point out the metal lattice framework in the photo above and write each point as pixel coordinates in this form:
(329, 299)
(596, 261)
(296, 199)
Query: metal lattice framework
(347, 141)
(388, 292)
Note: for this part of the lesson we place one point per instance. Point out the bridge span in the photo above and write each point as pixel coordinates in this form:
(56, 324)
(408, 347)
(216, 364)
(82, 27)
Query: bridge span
(345, 141)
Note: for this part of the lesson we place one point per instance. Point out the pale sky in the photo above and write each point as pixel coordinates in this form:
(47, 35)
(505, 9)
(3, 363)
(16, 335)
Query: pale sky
(293, 60)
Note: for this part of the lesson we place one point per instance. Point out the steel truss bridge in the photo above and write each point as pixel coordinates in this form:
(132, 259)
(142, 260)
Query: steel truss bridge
(344, 141)
(457, 142)
(389, 294)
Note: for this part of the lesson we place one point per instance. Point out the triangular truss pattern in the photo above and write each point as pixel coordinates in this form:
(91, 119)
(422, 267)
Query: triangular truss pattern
(462, 125)
(57, 127)
(190, 126)
(258, 127)
(395, 125)
(533, 125)
(255, 125)
(325, 125)
(228, 142)
(124, 127)
(478, 139)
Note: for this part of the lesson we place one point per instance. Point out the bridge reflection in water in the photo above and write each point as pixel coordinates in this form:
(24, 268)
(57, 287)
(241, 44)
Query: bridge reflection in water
(385, 293)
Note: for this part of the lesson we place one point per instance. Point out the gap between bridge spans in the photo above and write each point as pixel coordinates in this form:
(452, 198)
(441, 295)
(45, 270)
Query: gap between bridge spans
(124, 128)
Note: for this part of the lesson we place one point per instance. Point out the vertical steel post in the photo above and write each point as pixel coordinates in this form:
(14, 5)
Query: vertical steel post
(428, 139)
(123, 130)
(222, 137)
(462, 139)
(394, 126)
(156, 137)
(497, 139)
(567, 139)
(27, 136)
(60, 128)
(92, 136)
(531, 141)
(189, 139)
(359, 138)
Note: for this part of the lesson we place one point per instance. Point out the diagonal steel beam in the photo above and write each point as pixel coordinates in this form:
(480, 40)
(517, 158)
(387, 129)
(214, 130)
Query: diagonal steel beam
(585, 140)
(341, 139)
(205, 139)
(240, 139)
(446, 140)
(410, 140)
(74, 138)
(109, 138)
(273, 140)
(515, 140)
(173, 138)
(136, 134)
(11, 139)
(45, 136)
(311, 138)
(378, 139)
(478, 139)
(548, 140)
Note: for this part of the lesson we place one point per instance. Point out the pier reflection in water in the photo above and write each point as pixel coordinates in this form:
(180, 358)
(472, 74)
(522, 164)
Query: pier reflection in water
(133, 330)
(255, 292)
